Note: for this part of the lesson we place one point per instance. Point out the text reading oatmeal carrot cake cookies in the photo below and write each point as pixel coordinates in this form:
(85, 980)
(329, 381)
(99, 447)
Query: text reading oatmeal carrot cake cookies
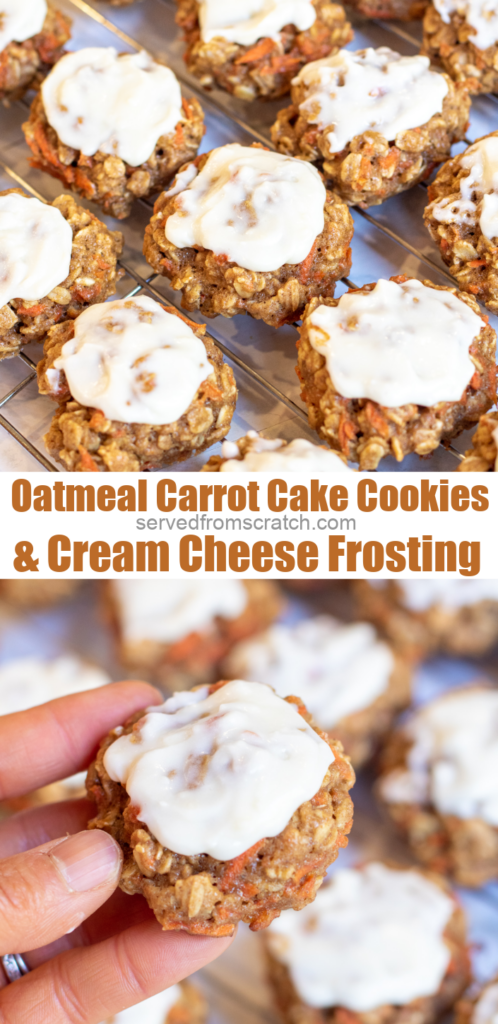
(32, 35)
(379, 943)
(244, 230)
(395, 367)
(254, 47)
(113, 127)
(138, 386)
(228, 803)
(375, 122)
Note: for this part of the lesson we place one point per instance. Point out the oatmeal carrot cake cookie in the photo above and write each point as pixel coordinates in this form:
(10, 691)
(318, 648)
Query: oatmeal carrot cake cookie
(380, 943)
(26, 594)
(395, 367)
(112, 127)
(138, 385)
(255, 47)
(31, 39)
(482, 1008)
(228, 803)
(179, 1004)
(439, 783)
(374, 121)
(462, 218)
(57, 260)
(351, 682)
(461, 36)
(483, 456)
(179, 631)
(27, 682)
(255, 454)
(245, 230)
(423, 616)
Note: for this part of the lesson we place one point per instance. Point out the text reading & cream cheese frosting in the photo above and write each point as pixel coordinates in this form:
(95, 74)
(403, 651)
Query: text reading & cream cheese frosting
(216, 773)
(482, 15)
(486, 1008)
(453, 760)
(273, 455)
(35, 248)
(249, 20)
(398, 344)
(450, 595)
(336, 669)
(369, 90)
(20, 20)
(27, 682)
(477, 199)
(257, 208)
(154, 1010)
(121, 104)
(134, 361)
(167, 610)
(373, 936)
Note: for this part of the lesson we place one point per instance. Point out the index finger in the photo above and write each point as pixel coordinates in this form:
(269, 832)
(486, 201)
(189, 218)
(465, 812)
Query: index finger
(57, 739)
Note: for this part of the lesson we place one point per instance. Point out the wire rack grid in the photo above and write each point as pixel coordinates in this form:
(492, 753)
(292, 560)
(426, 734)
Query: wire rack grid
(388, 239)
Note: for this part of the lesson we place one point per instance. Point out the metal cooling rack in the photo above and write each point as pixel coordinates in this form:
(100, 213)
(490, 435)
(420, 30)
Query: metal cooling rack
(389, 239)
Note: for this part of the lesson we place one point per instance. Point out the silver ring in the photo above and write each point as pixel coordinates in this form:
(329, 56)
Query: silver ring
(14, 966)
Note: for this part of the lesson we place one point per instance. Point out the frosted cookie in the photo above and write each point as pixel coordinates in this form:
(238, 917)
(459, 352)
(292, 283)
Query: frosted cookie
(482, 1008)
(180, 630)
(423, 616)
(402, 10)
(439, 783)
(395, 367)
(350, 681)
(255, 454)
(27, 682)
(32, 36)
(138, 385)
(28, 594)
(483, 456)
(461, 36)
(245, 230)
(228, 804)
(255, 47)
(112, 127)
(375, 122)
(462, 218)
(57, 260)
(379, 944)
(179, 1004)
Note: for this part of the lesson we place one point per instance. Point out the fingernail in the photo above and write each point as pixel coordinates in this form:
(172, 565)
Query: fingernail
(87, 860)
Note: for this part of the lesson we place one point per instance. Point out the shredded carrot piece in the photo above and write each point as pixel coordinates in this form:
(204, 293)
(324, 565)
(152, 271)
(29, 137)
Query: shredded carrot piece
(261, 49)
(305, 271)
(476, 380)
(477, 263)
(236, 866)
(87, 463)
(31, 310)
(474, 288)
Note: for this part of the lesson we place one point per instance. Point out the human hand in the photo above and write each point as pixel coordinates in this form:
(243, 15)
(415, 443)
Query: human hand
(92, 950)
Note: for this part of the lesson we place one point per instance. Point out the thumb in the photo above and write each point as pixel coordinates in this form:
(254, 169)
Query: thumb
(49, 891)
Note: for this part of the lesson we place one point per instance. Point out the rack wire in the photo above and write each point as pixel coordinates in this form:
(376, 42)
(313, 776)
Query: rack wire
(388, 239)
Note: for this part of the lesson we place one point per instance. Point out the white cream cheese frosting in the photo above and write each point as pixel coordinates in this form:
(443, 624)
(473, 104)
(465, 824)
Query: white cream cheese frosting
(133, 361)
(249, 20)
(486, 1008)
(477, 199)
(373, 936)
(450, 595)
(27, 682)
(274, 456)
(257, 208)
(168, 610)
(217, 773)
(369, 90)
(453, 760)
(398, 344)
(20, 20)
(120, 104)
(336, 669)
(482, 15)
(35, 248)
(154, 1010)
